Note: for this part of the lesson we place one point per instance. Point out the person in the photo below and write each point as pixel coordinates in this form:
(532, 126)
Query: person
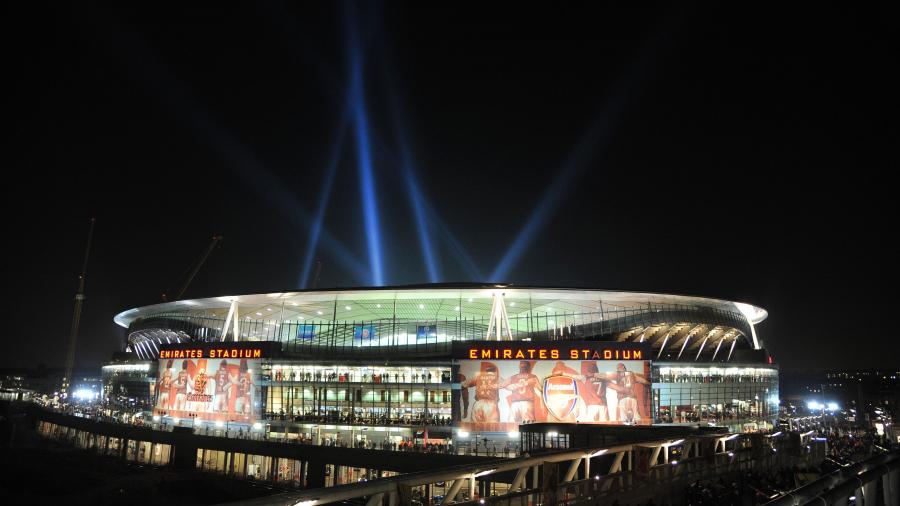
(487, 384)
(624, 385)
(199, 384)
(593, 391)
(525, 390)
(224, 380)
(244, 385)
(464, 396)
(181, 385)
(164, 386)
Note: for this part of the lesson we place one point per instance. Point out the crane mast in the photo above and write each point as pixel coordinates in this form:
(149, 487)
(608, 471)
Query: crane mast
(76, 315)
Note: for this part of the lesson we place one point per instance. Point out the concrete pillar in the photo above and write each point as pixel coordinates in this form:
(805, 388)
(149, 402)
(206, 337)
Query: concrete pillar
(870, 492)
(315, 475)
(891, 486)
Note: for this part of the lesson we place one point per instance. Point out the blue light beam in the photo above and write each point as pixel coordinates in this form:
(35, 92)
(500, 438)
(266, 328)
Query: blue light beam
(364, 158)
(325, 197)
(152, 73)
(598, 136)
(417, 202)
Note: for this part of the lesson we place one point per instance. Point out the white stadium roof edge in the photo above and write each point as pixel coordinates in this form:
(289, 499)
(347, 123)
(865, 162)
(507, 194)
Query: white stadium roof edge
(436, 300)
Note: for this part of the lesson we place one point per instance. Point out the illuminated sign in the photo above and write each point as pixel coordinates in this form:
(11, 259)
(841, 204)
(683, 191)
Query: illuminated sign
(212, 353)
(476, 353)
(236, 350)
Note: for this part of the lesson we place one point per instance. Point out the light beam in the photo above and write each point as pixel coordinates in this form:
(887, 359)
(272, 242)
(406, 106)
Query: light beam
(364, 156)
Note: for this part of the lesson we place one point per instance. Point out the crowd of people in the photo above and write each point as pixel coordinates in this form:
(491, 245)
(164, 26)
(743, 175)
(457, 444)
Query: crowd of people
(752, 487)
(702, 376)
(362, 377)
(347, 419)
(847, 446)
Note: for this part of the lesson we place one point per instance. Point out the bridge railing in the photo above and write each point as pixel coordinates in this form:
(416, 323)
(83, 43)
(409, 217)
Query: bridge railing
(566, 477)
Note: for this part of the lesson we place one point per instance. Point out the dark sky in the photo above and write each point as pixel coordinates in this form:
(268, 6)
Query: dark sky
(741, 154)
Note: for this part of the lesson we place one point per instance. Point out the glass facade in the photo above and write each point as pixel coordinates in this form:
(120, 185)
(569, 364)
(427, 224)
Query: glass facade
(127, 385)
(358, 394)
(737, 396)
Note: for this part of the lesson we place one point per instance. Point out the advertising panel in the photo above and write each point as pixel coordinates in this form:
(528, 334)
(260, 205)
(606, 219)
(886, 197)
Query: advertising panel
(209, 383)
(364, 332)
(503, 385)
(306, 332)
(424, 332)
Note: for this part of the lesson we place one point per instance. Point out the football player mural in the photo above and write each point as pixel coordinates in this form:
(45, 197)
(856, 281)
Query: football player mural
(510, 392)
(214, 390)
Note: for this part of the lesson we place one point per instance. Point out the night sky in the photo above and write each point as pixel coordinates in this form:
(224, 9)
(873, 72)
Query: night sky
(741, 154)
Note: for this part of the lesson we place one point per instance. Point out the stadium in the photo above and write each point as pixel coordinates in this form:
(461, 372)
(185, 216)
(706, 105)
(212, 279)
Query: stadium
(435, 363)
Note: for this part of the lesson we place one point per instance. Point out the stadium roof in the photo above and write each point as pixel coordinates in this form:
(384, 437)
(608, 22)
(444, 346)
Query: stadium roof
(436, 301)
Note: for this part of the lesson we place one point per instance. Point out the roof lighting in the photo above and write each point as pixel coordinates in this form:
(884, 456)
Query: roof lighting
(482, 473)
(597, 453)
(319, 312)
(348, 308)
(421, 306)
(456, 308)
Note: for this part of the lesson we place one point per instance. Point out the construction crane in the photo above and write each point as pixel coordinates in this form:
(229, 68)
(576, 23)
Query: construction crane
(76, 316)
(195, 269)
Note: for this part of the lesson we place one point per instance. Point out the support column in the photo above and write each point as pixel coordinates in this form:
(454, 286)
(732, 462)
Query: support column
(891, 487)
(315, 477)
(870, 492)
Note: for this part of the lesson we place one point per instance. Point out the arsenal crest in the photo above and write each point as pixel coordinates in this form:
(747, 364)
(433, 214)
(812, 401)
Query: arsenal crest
(560, 396)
